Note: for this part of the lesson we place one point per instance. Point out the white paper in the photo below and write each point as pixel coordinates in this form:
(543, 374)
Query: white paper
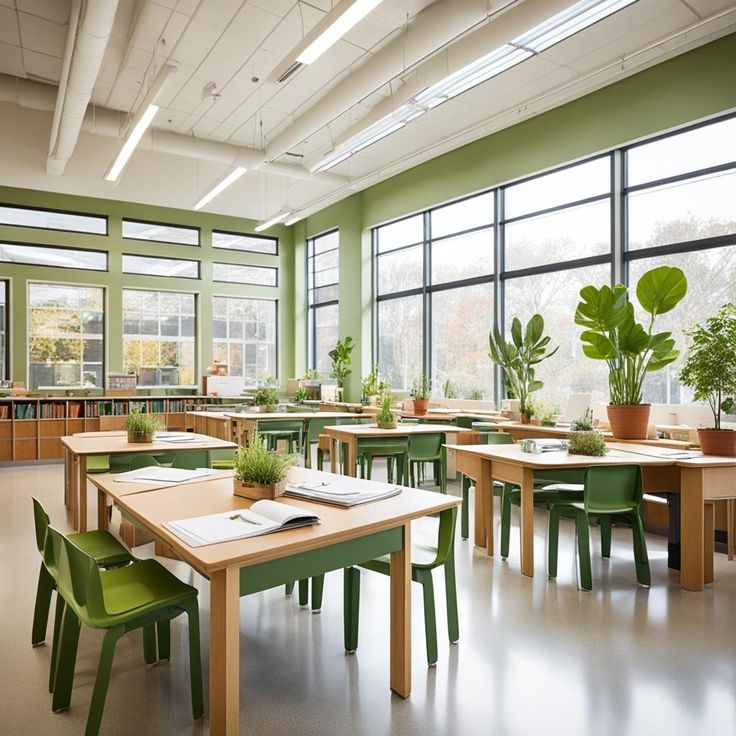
(159, 474)
(343, 491)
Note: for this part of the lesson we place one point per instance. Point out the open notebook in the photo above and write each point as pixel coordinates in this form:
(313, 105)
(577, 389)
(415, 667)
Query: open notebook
(343, 491)
(263, 517)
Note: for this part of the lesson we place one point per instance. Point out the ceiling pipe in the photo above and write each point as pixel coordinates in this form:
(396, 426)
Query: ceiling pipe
(93, 33)
(432, 28)
(111, 124)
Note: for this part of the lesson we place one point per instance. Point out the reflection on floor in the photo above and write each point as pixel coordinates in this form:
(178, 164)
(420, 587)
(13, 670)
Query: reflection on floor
(534, 657)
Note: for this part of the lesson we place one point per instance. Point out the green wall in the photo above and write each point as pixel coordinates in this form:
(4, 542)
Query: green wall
(690, 87)
(114, 280)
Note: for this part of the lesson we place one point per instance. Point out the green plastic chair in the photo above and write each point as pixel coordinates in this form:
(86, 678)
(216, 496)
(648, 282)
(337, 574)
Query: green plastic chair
(315, 427)
(98, 464)
(609, 493)
(428, 448)
(142, 461)
(102, 546)
(119, 600)
(191, 459)
(426, 556)
(394, 449)
(290, 430)
(222, 459)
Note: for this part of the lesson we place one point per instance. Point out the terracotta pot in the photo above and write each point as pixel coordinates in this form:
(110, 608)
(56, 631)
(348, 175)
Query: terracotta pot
(525, 418)
(421, 406)
(718, 442)
(140, 437)
(256, 491)
(629, 421)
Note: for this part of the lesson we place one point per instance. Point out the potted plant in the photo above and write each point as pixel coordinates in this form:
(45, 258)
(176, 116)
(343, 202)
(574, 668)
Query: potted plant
(386, 419)
(421, 389)
(587, 443)
(340, 357)
(630, 349)
(141, 427)
(372, 386)
(547, 413)
(475, 394)
(448, 390)
(710, 369)
(301, 395)
(266, 399)
(260, 473)
(518, 358)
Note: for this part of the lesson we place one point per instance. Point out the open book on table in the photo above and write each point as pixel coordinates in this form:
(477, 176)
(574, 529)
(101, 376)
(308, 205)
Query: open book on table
(263, 517)
(342, 491)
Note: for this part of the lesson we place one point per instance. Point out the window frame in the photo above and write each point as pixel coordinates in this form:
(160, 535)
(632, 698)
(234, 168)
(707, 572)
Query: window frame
(7, 284)
(162, 258)
(246, 265)
(58, 212)
(46, 246)
(255, 236)
(198, 229)
(311, 307)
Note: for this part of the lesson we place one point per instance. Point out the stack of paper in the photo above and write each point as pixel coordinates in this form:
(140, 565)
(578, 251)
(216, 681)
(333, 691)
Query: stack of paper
(263, 517)
(159, 474)
(342, 492)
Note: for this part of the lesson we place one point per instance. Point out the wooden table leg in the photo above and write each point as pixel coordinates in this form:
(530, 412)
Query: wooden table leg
(352, 458)
(527, 522)
(74, 491)
(225, 652)
(692, 522)
(480, 527)
(334, 445)
(401, 617)
(82, 492)
(709, 526)
(67, 477)
(102, 510)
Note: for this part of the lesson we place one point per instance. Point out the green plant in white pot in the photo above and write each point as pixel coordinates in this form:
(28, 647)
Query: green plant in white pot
(710, 369)
(629, 348)
(260, 473)
(141, 427)
(518, 358)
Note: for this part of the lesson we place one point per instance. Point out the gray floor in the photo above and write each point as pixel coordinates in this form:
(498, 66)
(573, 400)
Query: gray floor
(534, 656)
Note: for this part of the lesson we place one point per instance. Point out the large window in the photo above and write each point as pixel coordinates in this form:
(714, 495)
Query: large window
(65, 336)
(156, 266)
(47, 255)
(52, 219)
(160, 232)
(237, 274)
(680, 198)
(158, 337)
(669, 200)
(244, 337)
(323, 276)
(434, 286)
(248, 243)
(4, 322)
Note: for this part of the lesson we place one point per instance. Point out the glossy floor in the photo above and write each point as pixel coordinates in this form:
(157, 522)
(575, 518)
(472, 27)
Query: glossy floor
(534, 657)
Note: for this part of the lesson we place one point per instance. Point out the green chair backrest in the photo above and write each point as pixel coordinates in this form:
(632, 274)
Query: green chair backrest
(315, 427)
(426, 445)
(499, 438)
(41, 522)
(464, 422)
(280, 425)
(612, 487)
(191, 459)
(142, 461)
(119, 463)
(383, 445)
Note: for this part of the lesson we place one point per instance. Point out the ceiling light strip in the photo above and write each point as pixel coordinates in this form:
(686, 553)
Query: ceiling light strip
(275, 220)
(232, 177)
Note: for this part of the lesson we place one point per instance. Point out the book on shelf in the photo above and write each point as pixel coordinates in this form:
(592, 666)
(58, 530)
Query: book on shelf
(344, 492)
(263, 517)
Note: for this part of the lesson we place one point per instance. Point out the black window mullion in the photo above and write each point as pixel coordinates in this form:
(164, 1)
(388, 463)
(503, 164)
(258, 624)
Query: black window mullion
(499, 292)
(426, 298)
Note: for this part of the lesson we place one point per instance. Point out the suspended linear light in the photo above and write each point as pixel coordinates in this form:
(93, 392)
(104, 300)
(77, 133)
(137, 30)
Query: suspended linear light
(275, 220)
(221, 186)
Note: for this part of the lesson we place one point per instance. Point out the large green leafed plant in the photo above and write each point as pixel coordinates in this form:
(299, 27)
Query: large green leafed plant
(630, 349)
(340, 356)
(710, 367)
(518, 357)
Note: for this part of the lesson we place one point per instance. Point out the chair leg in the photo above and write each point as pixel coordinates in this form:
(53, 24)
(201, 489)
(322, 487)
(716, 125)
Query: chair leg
(97, 704)
(453, 625)
(465, 509)
(195, 659)
(58, 618)
(436, 470)
(320, 459)
(289, 588)
(412, 474)
(351, 607)
(505, 520)
(390, 469)
(304, 591)
(318, 586)
(149, 643)
(553, 540)
(424, 577)
(163, 631)
(307, 454)
(641, 558)
(606, 532)
(44, 589)
(583, 534)
(66, 660)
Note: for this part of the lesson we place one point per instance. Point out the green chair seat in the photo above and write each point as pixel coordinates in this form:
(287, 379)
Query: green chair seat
(98, 464)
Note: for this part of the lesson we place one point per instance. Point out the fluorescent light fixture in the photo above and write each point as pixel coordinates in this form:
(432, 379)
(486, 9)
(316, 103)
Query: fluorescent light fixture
(354, 12)
(557, 28)
(275, 220)
(233, 176)
(139, 124)
(296, 217)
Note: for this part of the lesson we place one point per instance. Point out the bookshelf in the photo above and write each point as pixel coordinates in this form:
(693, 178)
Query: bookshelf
(32, 428)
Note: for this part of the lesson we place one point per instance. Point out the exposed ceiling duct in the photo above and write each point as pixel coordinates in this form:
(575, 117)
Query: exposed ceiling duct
(436, 26)
(111, 123)
(83, 57)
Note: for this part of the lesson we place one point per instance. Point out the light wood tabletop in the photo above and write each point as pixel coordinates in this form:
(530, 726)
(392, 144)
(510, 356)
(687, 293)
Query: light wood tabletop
(349, 434)
(699, 480)
(235, 568)
(77, 448)
(245, 424)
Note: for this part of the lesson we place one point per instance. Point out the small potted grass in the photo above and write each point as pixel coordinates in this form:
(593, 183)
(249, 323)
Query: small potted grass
(386, 419)
(585, 439)
(141, 427)
(259, 473)
(266, 399)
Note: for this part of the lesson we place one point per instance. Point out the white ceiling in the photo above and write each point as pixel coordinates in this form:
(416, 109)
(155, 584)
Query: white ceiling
(236, 44)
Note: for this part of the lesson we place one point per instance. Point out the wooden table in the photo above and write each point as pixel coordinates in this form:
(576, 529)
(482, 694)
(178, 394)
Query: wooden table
(350, 434)
(246, 423)
(77, 448)
(345, 537)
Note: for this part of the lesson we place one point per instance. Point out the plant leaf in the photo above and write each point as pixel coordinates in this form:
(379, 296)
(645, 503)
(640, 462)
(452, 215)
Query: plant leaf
(661, 289)
(598, 347)
(601, 309)
(516, 332)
